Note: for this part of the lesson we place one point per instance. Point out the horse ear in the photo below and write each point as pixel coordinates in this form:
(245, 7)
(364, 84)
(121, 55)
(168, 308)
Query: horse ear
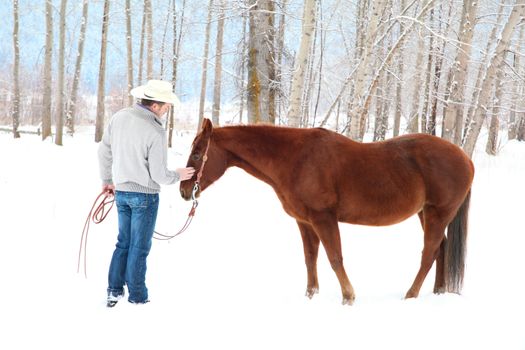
(207, 126)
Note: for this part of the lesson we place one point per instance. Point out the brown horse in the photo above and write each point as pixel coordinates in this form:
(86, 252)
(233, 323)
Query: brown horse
(322, 178)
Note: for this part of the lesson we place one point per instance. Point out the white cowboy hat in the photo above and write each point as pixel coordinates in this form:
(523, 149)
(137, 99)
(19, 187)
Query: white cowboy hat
(156, 90)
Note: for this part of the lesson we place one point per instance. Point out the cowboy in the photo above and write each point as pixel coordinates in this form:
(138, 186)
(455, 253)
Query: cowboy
(133, 165)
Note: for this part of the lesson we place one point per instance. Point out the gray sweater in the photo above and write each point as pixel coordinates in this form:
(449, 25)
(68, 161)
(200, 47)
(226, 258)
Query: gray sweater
(133, 152)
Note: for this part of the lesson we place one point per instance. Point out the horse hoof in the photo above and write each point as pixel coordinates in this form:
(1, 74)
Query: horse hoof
(411, 294)
(310, 292)
(348, 300)
(440, 290)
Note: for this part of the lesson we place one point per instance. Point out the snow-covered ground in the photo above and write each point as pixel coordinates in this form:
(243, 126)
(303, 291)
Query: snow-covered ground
(236, 278)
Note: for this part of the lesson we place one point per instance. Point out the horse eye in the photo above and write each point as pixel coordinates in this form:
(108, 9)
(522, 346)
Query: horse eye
(196, 156)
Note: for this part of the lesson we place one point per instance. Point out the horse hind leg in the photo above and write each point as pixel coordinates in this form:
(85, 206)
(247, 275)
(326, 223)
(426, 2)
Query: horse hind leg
(311, 251)
(439, 284)
(434, 228)
(326, 227)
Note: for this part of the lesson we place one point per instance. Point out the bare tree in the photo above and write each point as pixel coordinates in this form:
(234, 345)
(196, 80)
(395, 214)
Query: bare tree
(242, 68)
(453, 120)
(142, 38)
(16, 72)
(72, 102)
(413, 119)
(364, 71)
(492, 141)
(218, 66)
(177, 39)
(205, 64)
(438, 66)
(60, 83)
(99, 127)
(46, 101)
(149, 39)
(163, 42)
(474, 129)
(399, 83)
(428, 86)
(260, 65)
(129, 51)
(301, 62)
(482, 67)
(279, 53)
(518, 88)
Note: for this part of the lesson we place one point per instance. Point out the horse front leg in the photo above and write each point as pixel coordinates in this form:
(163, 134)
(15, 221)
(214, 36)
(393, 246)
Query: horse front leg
(311, 251)
(327, 228)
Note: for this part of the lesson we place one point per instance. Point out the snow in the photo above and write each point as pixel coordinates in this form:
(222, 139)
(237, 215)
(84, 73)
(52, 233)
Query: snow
(236, 278)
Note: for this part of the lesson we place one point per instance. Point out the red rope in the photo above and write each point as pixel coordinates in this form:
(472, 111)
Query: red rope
(97, 214)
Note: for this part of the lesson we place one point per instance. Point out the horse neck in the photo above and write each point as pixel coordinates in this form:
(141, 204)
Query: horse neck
(256, 149)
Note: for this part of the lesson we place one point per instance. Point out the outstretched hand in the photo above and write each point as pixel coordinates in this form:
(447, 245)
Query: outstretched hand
(185, 173)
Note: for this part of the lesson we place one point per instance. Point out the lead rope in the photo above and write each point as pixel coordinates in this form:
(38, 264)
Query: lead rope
(166, 237)
(97, 216)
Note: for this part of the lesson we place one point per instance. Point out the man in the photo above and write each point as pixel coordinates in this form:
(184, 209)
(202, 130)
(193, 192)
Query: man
(133, 165)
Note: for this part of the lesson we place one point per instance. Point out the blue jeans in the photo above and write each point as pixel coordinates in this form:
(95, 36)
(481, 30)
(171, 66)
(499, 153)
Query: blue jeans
(137, 214)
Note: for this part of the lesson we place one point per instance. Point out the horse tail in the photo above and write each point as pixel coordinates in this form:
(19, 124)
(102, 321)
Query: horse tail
(456, 248)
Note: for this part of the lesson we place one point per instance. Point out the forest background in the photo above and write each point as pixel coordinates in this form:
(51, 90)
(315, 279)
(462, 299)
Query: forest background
(365, 68)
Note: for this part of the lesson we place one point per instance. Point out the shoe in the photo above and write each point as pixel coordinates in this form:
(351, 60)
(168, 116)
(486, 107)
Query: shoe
(111, 303)
(139, 302)
(113, 299)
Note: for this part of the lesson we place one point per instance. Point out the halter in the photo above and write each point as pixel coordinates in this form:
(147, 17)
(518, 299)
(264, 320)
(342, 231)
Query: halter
(199, 174)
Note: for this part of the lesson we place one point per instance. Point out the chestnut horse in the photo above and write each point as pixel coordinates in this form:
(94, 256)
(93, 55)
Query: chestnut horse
(322, 178)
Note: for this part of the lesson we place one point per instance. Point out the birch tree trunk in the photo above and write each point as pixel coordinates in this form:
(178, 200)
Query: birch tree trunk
(381, 117)
(364, 70)
(177, 39)
(243, 65)
(438, 67)
(428, 75)
(519, 90)
(399, 84)
(101, 94)
(481, 70)
(453, 120)
(488, 82)
(413, 119)
(60, 88)
(16, 72)
(205, 65)
(141, 47)
(301, 63)
(492, 141)
(163, 44)
(72, 102)
(279, 52)
(129, 49)
(260, 64)
(46, 100)
(216, 109)
(149, 39)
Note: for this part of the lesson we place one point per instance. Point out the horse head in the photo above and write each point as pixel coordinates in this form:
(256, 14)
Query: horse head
(209, 163)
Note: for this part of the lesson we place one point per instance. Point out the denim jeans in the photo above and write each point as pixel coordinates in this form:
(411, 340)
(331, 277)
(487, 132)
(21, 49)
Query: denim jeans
(137, 213)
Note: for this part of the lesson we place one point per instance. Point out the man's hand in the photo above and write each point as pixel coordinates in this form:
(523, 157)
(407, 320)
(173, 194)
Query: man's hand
(109, 189)
(185, 173)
